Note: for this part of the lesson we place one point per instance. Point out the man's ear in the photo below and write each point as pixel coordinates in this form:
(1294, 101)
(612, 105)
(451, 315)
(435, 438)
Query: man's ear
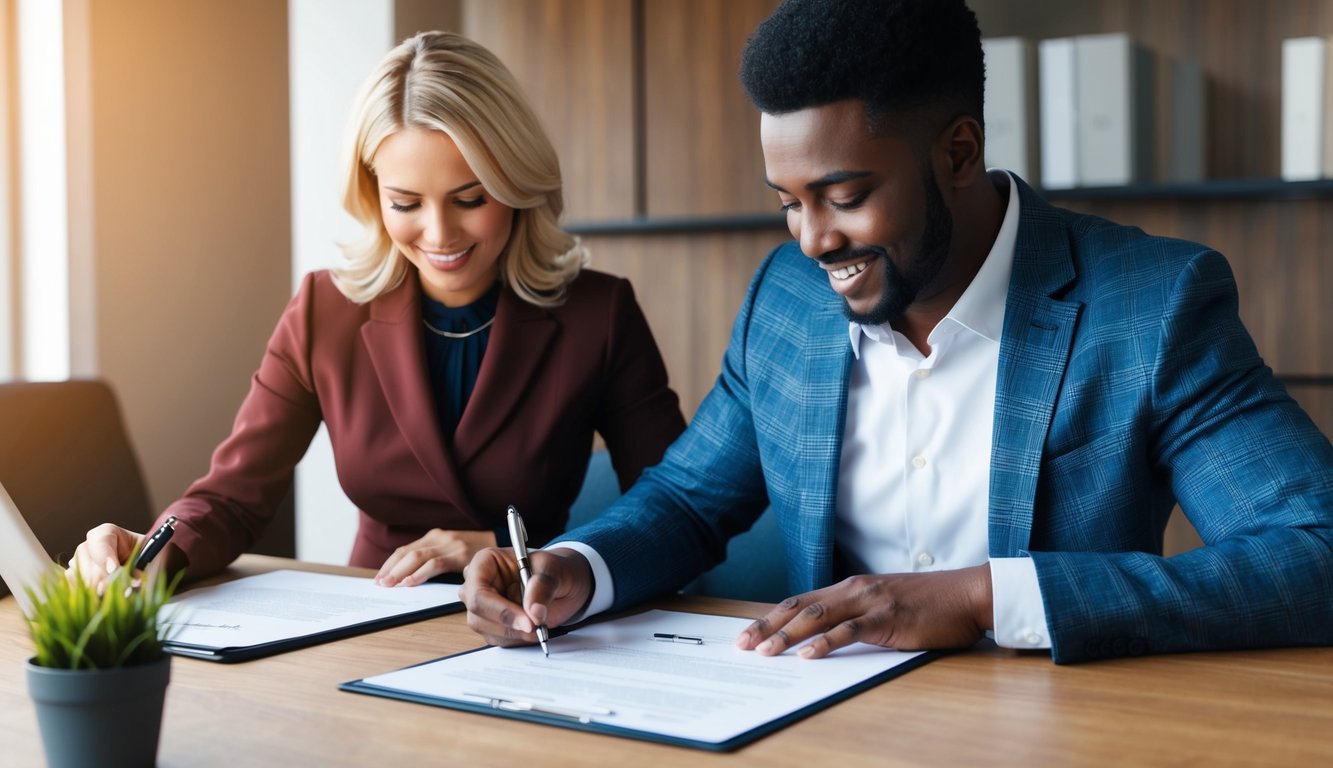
(961, 149)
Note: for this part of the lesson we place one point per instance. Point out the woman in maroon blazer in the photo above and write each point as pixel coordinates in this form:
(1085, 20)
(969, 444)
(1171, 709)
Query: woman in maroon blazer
(461, 360)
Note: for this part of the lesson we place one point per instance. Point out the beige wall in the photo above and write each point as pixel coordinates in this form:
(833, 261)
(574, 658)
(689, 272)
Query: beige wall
(187, 211)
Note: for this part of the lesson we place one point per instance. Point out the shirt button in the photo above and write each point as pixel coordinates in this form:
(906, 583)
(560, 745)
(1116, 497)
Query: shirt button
(922, 373)
(918, 462)
(925, 558)
(1033, 638)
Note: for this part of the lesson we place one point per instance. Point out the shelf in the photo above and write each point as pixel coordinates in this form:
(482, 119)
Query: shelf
(1203, 191)
(649, 225)
(1305, 380)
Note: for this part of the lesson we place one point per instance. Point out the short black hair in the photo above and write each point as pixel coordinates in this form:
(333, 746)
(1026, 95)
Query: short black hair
(896, 56)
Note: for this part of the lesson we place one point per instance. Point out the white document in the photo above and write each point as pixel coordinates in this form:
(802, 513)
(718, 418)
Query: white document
(23, 559)
(1011, 106)
(1059, 113)
(279, 607)
(616, 676)
(1115, 121)
(1303, 73)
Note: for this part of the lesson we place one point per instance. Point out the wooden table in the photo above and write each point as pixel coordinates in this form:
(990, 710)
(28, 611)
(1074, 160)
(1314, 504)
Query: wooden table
(983, 706)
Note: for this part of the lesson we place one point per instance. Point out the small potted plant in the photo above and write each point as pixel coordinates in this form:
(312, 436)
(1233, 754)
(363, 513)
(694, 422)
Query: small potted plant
(99, 674)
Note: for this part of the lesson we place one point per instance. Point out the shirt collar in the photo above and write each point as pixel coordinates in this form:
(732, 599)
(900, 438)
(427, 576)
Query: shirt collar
(981, 307)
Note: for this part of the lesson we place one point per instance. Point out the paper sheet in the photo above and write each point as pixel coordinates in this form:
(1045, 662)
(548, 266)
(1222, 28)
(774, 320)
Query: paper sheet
(281, 605)
(616, 673)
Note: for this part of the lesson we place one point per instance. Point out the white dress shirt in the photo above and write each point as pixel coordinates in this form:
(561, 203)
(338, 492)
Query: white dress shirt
(914, 478)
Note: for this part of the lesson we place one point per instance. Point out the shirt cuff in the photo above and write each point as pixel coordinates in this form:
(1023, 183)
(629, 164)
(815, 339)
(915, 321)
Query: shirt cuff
(1020, 613)
(603, 591)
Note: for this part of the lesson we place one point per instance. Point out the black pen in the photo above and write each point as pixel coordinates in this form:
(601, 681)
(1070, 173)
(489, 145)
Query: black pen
(518, 536)
(668, 638)
(155, 543)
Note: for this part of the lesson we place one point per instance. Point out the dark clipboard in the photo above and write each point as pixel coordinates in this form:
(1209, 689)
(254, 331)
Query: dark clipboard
(735, 742)
(232, 654)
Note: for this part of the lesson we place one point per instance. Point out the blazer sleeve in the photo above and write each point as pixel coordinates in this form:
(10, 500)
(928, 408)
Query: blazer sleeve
(639, 415)
(223, 513)
(1253, 474)
(674, 523)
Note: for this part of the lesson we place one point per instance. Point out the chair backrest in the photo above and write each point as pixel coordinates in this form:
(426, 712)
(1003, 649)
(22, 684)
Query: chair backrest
(756, 565)
(66, 460)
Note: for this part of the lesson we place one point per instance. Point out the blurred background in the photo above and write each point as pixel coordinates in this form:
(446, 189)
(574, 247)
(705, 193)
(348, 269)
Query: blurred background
(169, 168)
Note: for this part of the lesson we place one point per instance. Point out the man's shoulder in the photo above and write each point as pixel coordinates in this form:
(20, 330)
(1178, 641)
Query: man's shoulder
(1099, 244)
(1104, 260)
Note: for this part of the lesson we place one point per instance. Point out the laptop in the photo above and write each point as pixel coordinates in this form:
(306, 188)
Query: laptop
(23, 559)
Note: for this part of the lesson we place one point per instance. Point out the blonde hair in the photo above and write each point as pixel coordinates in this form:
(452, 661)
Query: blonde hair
(446, 82)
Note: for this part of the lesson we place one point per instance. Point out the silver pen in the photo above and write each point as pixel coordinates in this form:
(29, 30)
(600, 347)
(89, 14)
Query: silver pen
(670, 638)
(582, 715)
(518, 536)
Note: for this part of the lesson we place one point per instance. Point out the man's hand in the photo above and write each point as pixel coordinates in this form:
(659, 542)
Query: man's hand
(437, 552)
(560, 587)
(904, 611)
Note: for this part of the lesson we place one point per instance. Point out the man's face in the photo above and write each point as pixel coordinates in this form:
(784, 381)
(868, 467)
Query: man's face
(866, 207)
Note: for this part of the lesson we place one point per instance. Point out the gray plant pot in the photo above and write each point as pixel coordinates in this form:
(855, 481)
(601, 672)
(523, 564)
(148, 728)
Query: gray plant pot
(104, 718)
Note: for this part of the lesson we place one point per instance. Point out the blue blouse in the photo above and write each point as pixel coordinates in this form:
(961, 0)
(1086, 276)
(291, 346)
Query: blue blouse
(453, 364)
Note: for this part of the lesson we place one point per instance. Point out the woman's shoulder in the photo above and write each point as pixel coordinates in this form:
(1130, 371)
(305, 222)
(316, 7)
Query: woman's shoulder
(594, 294)
(593, 283)
(318, 283)
(318, 300)
(319, 287)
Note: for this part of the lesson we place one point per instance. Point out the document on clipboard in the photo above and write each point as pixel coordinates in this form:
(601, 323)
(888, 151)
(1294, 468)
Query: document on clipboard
(283, 610)
(663, 676)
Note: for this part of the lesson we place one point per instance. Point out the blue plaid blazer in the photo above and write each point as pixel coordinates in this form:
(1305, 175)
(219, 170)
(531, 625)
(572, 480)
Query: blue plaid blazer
(1126, 384)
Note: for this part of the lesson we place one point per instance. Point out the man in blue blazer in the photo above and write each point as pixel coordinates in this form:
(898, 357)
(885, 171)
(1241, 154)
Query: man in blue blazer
(1027, 394)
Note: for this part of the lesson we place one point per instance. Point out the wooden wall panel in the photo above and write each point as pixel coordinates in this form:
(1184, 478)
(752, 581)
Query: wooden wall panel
(574, 59)
(690, 287)
(702, 135)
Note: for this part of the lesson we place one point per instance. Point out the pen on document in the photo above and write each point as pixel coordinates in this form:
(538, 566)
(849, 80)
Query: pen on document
(666, 638)
(151, 548)
(510, 705)
(518, 535)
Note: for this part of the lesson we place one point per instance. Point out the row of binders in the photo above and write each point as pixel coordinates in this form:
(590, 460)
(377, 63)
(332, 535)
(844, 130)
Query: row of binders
(1307, 108)
(1093, 110)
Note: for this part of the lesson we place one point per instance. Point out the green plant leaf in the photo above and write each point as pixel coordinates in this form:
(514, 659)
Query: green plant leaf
(73, 626)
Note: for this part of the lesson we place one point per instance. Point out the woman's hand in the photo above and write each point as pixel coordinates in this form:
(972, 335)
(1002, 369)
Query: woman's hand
(105, 549)
(435, 553)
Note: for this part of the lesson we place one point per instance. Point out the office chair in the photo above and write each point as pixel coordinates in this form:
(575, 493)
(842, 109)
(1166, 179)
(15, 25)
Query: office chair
(755, 568)
(66, 459)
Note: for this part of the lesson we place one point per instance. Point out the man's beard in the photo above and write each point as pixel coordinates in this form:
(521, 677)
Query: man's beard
(901, 289)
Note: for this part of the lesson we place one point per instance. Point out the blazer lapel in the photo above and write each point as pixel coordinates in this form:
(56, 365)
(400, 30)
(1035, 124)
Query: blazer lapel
(520, 341)
(1034, 352)
(393, 339)
(828, 355)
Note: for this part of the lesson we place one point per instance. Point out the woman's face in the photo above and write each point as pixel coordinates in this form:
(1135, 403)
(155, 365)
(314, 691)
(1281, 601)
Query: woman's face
(437, 213)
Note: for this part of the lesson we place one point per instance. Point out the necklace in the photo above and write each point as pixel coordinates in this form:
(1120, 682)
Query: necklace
(463, 335)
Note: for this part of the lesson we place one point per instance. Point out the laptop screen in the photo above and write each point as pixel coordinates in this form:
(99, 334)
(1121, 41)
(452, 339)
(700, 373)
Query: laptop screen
(23, 560)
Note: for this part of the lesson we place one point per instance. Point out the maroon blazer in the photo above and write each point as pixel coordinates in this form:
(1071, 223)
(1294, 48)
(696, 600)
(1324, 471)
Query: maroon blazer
(550, 377)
